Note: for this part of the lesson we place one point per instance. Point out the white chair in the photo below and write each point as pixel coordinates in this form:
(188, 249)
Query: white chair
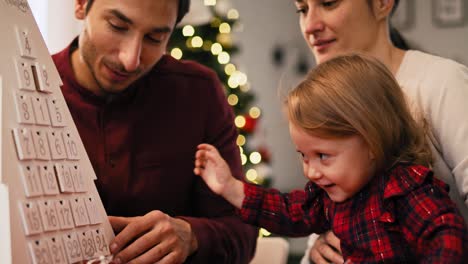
(271, 250)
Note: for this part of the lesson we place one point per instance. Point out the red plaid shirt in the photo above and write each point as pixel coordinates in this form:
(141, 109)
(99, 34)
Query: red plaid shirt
(404, 216)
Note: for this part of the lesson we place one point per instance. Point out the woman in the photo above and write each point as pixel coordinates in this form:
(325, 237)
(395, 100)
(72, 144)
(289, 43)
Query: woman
(436, 87)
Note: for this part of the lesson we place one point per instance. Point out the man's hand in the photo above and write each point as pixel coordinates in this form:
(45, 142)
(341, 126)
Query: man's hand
(326, 250)
(154, 237)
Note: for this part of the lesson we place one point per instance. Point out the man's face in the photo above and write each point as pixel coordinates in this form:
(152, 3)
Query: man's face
(121, 41)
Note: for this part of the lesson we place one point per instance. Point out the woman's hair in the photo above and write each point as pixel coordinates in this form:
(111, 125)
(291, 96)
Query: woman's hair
(357, 95)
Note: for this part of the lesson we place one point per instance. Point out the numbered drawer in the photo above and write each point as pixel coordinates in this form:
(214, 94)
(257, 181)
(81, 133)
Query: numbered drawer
(24, 143)
(24, 74)
(64, 178)
(24, 109)
(26, 45)
(41, 110)
(41, 144)
(78, 180)
(41, 78)
(72, 247)
(39, 250)
(31, 217)
(49, 215)
(64, 213)
(93, 210)
(79, 212)
(88, 246)
(56, 113)
(57, 147)
(102, 245)
(48, 179)
(57, 250)
(31, 180)
(71, 145)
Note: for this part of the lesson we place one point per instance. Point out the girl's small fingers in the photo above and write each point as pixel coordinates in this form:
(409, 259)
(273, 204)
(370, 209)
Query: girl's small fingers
(199, 163)
(204, 146)
(199, 153)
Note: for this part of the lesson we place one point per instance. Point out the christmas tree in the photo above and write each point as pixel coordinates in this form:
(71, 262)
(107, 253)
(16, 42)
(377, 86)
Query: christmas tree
(206, 36)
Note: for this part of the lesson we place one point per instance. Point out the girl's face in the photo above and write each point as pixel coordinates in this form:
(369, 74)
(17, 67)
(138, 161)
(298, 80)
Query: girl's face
(341, 167)
(333, 27)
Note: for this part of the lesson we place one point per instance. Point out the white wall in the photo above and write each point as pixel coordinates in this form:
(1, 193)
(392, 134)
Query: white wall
(56, 21)
(267, 24)
(450, 42)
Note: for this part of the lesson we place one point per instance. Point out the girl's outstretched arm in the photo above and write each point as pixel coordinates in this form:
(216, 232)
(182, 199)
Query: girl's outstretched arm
(216, 173)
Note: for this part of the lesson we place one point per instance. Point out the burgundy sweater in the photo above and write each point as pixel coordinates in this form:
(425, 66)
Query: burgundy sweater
(142, 142)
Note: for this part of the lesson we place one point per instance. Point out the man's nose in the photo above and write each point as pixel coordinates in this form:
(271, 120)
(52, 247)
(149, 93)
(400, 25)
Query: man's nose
(130, 54)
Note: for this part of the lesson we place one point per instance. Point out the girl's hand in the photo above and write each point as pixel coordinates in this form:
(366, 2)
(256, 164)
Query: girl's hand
(212, 168)
(216, 173)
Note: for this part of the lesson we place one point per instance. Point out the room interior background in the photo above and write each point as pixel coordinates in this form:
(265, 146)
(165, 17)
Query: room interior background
(275, 57)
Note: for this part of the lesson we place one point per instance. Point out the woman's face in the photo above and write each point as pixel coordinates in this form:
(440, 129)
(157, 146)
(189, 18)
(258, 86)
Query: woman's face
(333, 27)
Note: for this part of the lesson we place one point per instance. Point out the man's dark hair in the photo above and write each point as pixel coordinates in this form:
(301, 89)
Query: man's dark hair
(184, 6)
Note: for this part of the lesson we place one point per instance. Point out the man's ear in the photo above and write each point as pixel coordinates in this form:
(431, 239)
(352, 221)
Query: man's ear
(80, 9)
(382, 8)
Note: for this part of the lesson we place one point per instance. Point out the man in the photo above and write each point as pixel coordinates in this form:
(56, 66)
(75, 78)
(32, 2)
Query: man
(141, 114)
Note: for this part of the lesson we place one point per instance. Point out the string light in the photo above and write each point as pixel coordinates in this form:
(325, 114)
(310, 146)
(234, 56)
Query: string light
(240, 121)
(255, 157)
(197, 42)
(233, 14)
(215, 22)
(241, 77)
(188, 43)
(236, 79)
(224, 28)
(188, 31)
(264, 232)
(245, 88)
(210, 2)
(176, 53)
(251, 175)
(233, 99)
(243, 159)
(229, 69)
(233, 83)
(207, 45)
(216, 48)
(241, 140)
(255, 112)
(224, 39)
(224, 58)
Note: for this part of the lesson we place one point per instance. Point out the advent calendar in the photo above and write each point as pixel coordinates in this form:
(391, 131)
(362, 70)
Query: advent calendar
(50, 210)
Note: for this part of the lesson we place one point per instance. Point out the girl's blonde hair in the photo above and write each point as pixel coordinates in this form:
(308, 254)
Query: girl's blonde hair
(357, 95)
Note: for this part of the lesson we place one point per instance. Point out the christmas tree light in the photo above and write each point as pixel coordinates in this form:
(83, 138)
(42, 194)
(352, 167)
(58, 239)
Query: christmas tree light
(210, 42)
